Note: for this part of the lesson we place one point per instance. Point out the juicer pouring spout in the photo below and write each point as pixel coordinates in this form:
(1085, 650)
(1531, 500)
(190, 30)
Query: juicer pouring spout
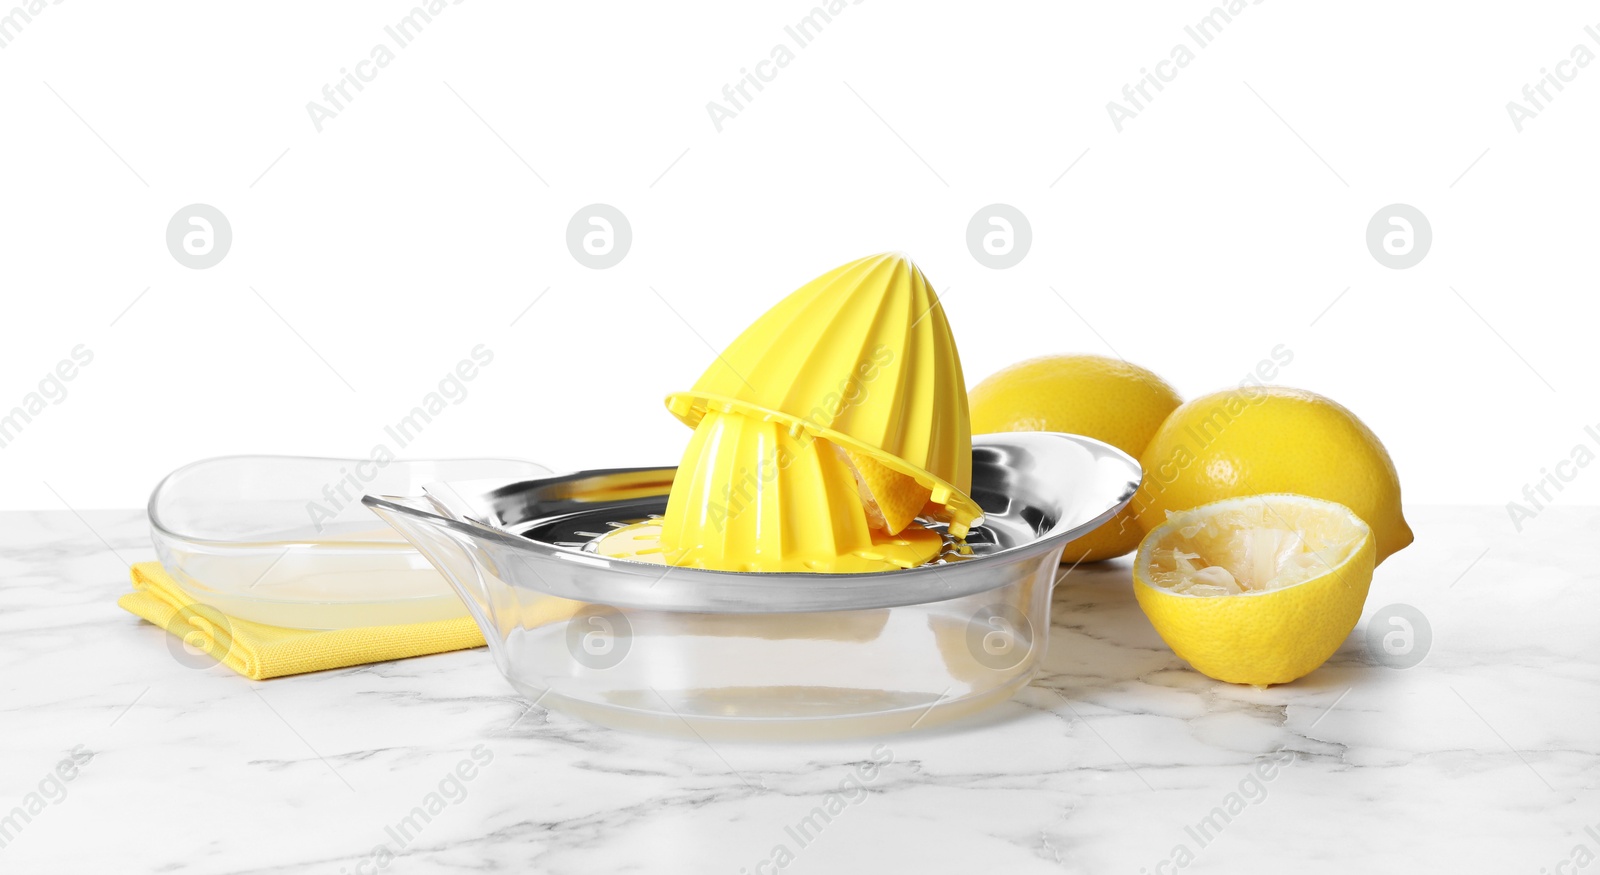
(431, 526)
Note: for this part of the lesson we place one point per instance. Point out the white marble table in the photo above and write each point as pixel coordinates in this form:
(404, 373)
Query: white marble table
(1483, 758)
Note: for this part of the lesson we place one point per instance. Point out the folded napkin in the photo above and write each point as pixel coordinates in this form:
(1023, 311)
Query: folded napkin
(259, 651)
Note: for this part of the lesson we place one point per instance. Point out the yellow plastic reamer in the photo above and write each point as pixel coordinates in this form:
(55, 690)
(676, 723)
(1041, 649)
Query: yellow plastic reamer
(863, 358)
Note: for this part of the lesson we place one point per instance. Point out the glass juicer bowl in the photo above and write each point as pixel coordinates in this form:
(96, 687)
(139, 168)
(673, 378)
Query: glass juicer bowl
(731, 655)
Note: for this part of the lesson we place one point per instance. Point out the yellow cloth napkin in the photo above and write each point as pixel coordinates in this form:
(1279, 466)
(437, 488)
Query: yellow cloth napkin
(259, 651)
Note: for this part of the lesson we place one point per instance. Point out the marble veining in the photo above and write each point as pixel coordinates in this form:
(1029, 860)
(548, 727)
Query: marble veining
(1482, 758)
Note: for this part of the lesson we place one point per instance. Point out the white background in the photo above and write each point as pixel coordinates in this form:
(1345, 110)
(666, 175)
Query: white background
(406, 231)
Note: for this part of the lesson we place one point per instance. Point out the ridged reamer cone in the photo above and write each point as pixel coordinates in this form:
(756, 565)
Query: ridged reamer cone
(754, 494)
(862, 356)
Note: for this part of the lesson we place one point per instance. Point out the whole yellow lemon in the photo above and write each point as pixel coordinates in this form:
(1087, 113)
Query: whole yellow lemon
(1104, 398)
(1271, 439)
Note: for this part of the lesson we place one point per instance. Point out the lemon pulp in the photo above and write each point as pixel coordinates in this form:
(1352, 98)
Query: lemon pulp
(1252, 547)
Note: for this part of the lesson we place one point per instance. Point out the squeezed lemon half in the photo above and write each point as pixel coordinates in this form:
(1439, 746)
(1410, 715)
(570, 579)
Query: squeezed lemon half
(892, 499)
(1256, 590)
